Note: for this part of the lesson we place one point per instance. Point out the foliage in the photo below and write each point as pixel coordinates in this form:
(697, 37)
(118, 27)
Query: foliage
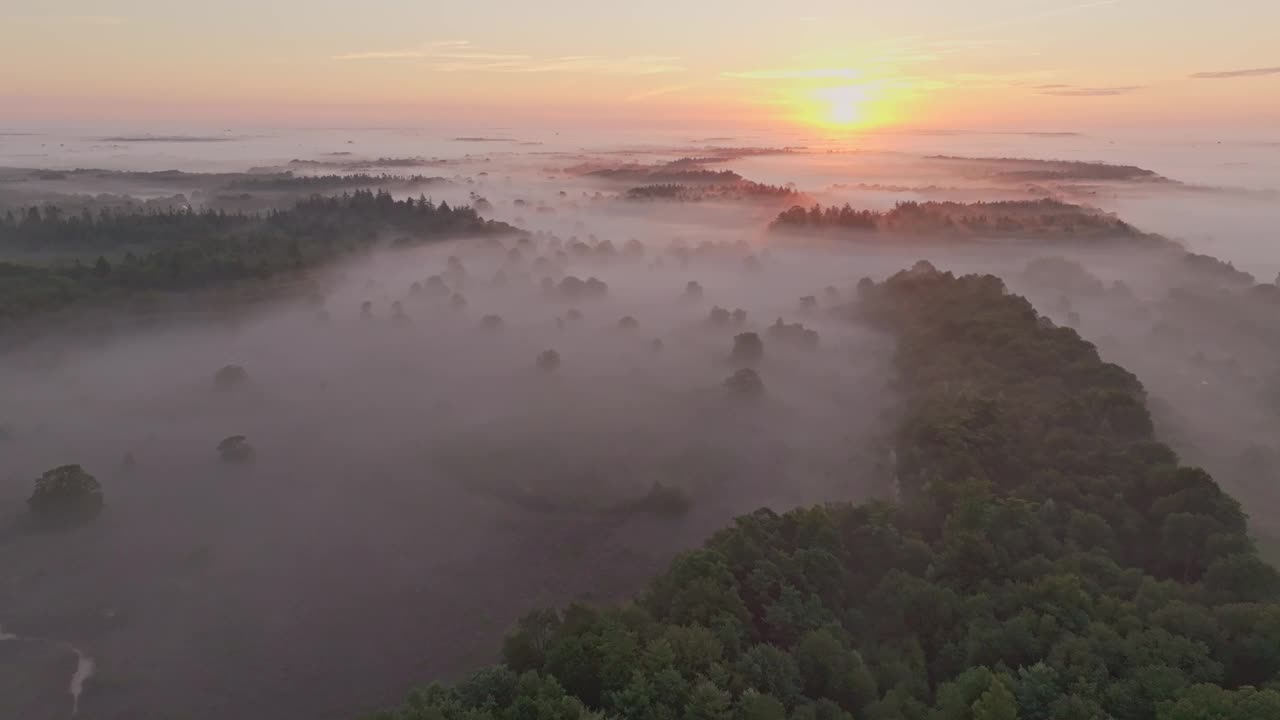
(741, 190)
(1028, 170)
(1038, 219)
(230, 376)
(795, 334)
(667, 174)
(748, 349)
(327, 183)
(235, 449)
(745, 382)
(1048, 560)
(65, 495)
(185, 250)
(548, 361)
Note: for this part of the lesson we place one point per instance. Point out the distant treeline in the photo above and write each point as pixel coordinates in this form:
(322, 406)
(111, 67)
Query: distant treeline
(1023, 169)
(666, 174)
(744, 189)
(183, 249)
(1030, 218)
(323, 183)
(1048, 559)
(380, 162)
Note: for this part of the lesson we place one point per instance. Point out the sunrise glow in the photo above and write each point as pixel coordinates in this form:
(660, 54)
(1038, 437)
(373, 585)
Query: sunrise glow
(836, 66)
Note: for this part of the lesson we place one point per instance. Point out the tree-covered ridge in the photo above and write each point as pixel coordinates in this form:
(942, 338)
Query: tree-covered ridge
(329, 183)
(1033, 170)
(1048, 559)
(1026, 219)
(668, 173)
(742, 190)
(184, 249)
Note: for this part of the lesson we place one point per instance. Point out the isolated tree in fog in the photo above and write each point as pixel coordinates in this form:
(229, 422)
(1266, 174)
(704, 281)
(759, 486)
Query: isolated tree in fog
(491, 322)
(235, 449)
(748, 349)
(596, 288)
(436, 287)
(745, 382)
(548, 360)
(230, 376)
(628, 323)
(66, 495)
(718, 316)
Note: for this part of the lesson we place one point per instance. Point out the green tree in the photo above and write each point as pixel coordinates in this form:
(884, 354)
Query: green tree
(66, 495)
(996, 703)
(708, 702)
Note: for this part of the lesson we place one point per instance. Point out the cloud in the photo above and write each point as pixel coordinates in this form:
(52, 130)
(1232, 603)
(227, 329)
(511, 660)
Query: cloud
(658, 91)
(95, 19)
(1077, 91)
(438, 48)
(1251, 72)
(382, 55)
(457, 56)
(812, 74)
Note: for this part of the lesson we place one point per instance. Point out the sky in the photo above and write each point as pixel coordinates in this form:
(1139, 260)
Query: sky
(839, 65)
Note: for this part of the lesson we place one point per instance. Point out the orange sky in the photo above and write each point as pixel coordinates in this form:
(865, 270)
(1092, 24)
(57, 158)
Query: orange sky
(847, 65)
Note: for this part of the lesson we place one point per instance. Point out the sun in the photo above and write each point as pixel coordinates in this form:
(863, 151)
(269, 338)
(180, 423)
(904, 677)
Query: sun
(843, 104)
(842, 107)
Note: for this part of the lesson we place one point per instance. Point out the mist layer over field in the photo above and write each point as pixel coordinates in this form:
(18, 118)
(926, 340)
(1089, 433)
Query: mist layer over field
(423, 471)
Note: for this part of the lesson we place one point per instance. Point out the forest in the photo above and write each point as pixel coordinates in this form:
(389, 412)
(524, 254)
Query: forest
(1045, 218)
(328, 183)
(742, 190)
(1024, 170)
(176, 250)
(1046, 558)
(675, 172)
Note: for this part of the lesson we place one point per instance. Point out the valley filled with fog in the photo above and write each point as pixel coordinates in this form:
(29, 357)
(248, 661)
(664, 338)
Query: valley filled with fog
(442, 433)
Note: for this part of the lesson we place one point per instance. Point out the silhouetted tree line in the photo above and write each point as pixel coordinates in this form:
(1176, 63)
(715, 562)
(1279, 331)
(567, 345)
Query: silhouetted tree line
(667, 175)
(1029, 218)
(186, 249)
(1024, 169)
(322, 183)
(1048, 559)
(745, 189)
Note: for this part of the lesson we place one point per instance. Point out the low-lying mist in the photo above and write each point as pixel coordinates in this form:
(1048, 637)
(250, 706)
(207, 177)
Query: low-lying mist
(437, 439)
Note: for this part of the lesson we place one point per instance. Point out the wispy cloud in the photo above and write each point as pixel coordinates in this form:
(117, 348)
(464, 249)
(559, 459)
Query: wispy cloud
(658, 92)
(94, 19)
(1251, 72)
(98, 20)
(431, 49)
(1079, 91)
(459, 56)
(382, 55)
(811, 74)
(926, 40)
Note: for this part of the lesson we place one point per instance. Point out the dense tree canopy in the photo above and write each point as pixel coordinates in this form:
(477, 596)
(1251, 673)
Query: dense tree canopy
(65, 495)
(1047, 559)
(184, 250)
(1032, 219)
